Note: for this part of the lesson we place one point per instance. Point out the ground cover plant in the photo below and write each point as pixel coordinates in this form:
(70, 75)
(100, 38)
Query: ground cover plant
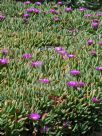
(50, 70)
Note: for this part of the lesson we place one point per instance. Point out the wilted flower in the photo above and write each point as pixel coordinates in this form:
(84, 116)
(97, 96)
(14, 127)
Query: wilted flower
(75, 72)
(37, 3)
(45, 81)
(73, 84)
(100, 43)
(93, 53)
(68, 9)
(4, 52)
(26, 56)
(90, 42)
(82, 9)
(53, 11)
(56, 19)
(34, 116)
(45, 129)
(65, 124)
(2, 17)
(94, 100)
(99, 68)
(25, 20)
(3, 62)
(36, 64)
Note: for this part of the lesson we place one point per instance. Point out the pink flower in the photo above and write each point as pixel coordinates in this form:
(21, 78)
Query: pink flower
(59, 3)
(38, 3)
(100, 43)
(61, 51)
(53, 11)
(90, 42)
(26, 56)
(57, 49)
(82, 9)
(45, 81)
(36, 64)
(75, 72)
(99, 14)
(73, 84)
(71, 56)
(27, 2)
(2, 17)
(34, 116)
(3, 62)
(94, 100)
(68, 9)
(25, 15)
(94, 25)
(99, 68)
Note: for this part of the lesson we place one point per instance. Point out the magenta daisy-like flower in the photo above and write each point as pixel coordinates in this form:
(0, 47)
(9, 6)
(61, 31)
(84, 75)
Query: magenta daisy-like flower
(36, 64)
(94, 25)
(36, 11)
(99, 68)
(30, 10)
(94, 100)
(71, 56)
(99, 14)
(59, 3)
(34, 116)
(37, 3)
(75, 72)
(27, 2)
(3, 61)
(26, 56)
(82, 9)
(45, 81)
(100, 43)
(25, 15)
(69, 9)
(53, 11)
(73, 84)
(90, 42)
(57, 49)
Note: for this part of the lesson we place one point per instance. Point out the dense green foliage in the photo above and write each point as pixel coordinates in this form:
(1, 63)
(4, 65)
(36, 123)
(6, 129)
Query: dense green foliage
(64, 110)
